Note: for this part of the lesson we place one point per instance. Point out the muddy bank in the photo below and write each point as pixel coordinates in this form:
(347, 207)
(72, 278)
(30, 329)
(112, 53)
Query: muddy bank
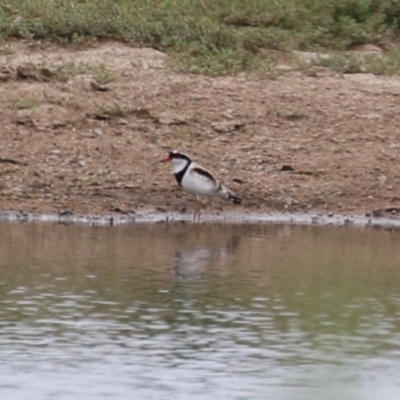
(82, 131)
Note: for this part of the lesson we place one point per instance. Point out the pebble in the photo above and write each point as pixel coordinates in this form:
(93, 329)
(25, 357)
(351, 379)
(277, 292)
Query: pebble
(97, 132)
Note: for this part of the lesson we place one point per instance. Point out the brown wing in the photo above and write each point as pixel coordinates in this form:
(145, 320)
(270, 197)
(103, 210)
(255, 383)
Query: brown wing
(204, 173)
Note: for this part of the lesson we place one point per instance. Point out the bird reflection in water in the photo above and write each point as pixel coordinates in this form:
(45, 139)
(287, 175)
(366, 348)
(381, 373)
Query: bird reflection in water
(192, 262)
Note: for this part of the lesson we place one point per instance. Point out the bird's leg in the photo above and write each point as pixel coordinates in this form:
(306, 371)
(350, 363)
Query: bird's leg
(197, 210)
(198, 213)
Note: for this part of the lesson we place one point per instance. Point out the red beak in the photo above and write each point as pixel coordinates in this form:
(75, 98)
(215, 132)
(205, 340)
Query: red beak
(166, 159)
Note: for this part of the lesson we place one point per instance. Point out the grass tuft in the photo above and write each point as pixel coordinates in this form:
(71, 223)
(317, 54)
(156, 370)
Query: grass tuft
(24, 104)
(354, 63)
(69, 70)
(113, 110)
(208, 36)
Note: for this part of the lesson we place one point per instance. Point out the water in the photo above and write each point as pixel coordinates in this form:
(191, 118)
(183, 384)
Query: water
(199, 312)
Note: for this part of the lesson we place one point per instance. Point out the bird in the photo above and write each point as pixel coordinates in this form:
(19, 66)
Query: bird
(195, 179)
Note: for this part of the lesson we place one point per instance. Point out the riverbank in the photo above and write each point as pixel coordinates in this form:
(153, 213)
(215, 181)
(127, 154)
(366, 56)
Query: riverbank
(83, 129)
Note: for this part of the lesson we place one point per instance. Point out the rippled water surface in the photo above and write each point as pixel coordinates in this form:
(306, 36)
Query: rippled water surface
(199, 312)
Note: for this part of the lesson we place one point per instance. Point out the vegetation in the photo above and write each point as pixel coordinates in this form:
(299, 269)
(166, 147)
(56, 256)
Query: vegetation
(24, 104)
(101, 74)
(212, 36)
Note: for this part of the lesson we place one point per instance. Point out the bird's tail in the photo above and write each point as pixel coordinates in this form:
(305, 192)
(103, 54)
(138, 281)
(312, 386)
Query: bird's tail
(228, 195)
(235, 199)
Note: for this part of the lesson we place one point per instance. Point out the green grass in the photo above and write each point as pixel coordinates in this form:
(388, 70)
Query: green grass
(113, 110)
(65, 71)
(24, 104)
(352, 63)
(209, 36)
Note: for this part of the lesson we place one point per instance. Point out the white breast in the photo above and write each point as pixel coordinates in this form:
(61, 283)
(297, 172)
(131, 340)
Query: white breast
(179, 164)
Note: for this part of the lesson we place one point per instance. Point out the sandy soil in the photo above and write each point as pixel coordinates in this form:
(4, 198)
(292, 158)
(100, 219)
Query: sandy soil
(311, 140)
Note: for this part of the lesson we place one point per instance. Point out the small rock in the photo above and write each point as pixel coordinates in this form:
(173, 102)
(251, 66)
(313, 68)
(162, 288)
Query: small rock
(238, 180)
(168, 118)
(382, 180)
(97, 132)
(289, 201)
(98, 87)
(141, 112)
(286, 168)
(227, 126)
(121, 211)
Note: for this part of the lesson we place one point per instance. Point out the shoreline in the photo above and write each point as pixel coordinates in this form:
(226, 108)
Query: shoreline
(153, 217)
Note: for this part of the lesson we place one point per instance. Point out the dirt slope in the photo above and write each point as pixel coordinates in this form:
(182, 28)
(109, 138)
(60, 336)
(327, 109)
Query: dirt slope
(82, 129)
